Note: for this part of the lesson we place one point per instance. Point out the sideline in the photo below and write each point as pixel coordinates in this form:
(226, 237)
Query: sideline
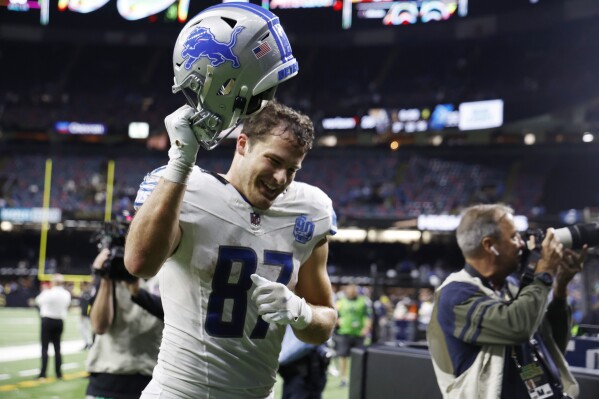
(33, 351)
(35, 383)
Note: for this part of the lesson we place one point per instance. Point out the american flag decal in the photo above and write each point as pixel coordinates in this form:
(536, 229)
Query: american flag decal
(262, 50)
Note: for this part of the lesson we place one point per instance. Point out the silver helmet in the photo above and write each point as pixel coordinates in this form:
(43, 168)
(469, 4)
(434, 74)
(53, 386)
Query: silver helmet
(228, 61)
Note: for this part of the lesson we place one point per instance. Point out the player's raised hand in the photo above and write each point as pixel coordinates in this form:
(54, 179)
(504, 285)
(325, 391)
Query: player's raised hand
(277, 304)
(184, 145)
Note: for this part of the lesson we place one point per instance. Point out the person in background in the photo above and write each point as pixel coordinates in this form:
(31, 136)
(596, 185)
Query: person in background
(490, 336)
(53, 304)
(405, 315)
(383, 308)
(125, 349)
(85, 327)
(303, 367)
(425, 309)
(354, 324)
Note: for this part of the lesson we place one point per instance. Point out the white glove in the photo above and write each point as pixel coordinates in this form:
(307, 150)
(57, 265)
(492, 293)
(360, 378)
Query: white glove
(277, 304)
(184, 145)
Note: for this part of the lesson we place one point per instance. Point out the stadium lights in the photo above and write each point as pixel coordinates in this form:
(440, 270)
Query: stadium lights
(451, 222)
(139, 130)
(328, 141)
(377, 235)
(6, 226)
(350, 235)
(588, 137)
(437, 140)
(390, 236)
(530, 138)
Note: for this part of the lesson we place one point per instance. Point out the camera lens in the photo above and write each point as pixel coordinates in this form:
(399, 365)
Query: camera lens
(577, 236)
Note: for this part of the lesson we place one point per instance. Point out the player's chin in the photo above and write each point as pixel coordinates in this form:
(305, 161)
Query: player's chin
(265, 198)
(262, 202)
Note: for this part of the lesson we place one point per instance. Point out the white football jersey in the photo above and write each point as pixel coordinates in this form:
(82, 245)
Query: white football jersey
(214, 342)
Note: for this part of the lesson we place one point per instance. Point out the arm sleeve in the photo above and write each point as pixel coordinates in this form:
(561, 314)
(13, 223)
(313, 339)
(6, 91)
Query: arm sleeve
(559, 316)
(150, 302)
(470, 315)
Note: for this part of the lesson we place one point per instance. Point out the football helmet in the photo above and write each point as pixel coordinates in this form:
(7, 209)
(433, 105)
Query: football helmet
(228, 61)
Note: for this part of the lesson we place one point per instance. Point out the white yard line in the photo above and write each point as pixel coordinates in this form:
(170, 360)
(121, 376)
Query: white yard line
(70, 366)
(21, 321)
(28, 373)
(33, 351)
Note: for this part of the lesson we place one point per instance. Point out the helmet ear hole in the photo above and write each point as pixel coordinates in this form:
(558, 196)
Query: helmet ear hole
(226, 88)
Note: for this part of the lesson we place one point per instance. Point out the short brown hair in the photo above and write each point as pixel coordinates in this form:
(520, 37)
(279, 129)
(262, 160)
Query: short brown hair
(276, 114)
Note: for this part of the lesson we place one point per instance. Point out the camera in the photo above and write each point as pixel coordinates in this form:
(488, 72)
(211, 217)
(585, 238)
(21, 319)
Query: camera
(573, 237)
(112, 236)
(578, 235)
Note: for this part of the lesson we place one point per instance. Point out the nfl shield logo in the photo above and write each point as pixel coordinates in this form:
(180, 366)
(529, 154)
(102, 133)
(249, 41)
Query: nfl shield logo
(255, 220)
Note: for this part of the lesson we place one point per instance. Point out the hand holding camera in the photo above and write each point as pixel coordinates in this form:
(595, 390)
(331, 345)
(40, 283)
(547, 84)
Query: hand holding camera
(556, 255)
(109, 262)
(570, 265)
(100, 261)
(551, 254)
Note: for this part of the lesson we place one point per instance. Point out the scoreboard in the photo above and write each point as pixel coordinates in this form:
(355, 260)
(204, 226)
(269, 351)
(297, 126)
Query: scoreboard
(349, 12)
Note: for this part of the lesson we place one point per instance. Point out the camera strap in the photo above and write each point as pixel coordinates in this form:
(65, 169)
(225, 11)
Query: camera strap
(531, 372)
(528, 266)
(542, 353)
(536, 367)
(537, 370)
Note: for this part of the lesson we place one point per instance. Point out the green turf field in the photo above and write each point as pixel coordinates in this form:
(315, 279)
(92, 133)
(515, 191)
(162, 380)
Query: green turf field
(18, 378)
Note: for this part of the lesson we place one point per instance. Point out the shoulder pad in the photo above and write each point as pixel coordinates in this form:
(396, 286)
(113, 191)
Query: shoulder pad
(147, 186)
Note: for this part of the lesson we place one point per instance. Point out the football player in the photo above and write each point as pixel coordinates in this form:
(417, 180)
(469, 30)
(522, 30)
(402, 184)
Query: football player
(242, 254)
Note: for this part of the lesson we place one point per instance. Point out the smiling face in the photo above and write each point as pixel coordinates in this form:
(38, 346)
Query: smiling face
(264, 168)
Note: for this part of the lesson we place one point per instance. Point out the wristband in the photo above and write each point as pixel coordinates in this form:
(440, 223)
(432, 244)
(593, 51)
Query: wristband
(177, 171)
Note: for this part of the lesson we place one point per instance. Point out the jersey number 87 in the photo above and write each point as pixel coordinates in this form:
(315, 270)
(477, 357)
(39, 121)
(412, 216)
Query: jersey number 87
(236, 291)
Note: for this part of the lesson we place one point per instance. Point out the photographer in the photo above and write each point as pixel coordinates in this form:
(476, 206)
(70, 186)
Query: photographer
(303, 367)
(487, 337)
(125, 350)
